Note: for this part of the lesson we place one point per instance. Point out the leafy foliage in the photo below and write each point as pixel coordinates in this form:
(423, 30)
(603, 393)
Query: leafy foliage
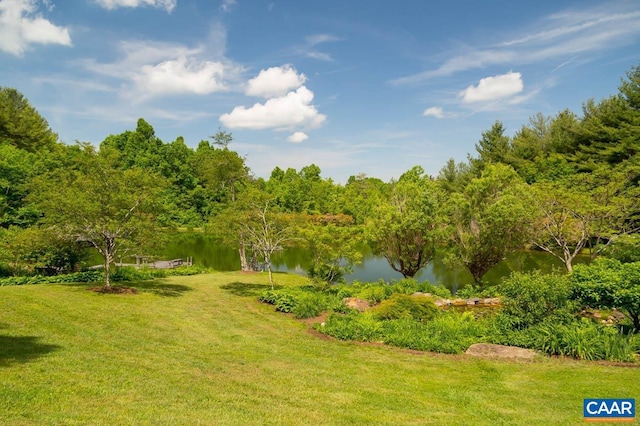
(334, 250)
(607, 283)
(111, 209)
(418, 308)
(446, 333)
(490, 219)
(303, 302)
(405, 230)
(120, 275)
(530, 298)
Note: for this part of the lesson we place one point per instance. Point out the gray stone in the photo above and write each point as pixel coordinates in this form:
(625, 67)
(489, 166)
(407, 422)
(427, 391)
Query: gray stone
(486, 350)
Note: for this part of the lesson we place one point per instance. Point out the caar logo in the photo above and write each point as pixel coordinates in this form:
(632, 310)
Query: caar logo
(609, 410)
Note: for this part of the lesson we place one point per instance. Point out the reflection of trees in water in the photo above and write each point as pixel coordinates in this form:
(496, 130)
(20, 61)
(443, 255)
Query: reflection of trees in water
(208, 252)
(293, 259)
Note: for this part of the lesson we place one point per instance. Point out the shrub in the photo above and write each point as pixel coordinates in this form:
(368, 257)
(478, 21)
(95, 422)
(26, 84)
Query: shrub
(404, 286)
(584, 340)
(374, 293)
(418, 308)
(283, 299)
(469, 291)
(309, 305)
(352, 326)
(608, 283)
(626, 248)
(303, 302)
(449, 332)
(529, 298)
(436, 290)
(120, 275)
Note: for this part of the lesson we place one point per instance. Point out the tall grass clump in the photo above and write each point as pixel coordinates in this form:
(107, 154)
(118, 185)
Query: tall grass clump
(447, 332)
(585, 340)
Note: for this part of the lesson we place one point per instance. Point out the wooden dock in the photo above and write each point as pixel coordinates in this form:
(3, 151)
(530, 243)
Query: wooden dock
(143, 262)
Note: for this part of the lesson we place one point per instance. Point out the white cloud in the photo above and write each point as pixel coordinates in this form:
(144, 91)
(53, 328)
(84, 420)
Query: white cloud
(298, 137)
(152, 69)
(21, 26)
(493, 88)
(556, 37)
(285, 112)
(433, 112)
(181, 75)
(227, 5)
(275, 81)
(168, 5)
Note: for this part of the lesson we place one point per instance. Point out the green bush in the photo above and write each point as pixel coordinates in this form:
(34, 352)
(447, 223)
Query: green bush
(436, 290)
(283, 299)
(584, 340)
(449, 332)
(303, 302)
(626, 249)
(470, 291)
(309, 305)
(96, 276)
(529, 298)
(362, 327)
(374, 293)
(608, 283)
(398, 306)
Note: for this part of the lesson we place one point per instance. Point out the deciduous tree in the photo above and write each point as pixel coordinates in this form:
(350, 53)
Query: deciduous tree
(112, 209)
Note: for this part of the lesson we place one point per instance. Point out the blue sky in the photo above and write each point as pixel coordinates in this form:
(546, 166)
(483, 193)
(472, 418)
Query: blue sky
(362, 86)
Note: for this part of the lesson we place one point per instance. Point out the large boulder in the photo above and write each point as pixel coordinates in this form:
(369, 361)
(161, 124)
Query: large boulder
(354, 303)
(486, 350)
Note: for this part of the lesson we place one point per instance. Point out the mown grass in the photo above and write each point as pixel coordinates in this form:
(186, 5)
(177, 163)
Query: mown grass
(202, 350)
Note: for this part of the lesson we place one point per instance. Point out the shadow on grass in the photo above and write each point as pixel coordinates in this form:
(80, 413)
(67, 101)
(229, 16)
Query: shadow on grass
(22, 349)
(158, 287)
(246, 289)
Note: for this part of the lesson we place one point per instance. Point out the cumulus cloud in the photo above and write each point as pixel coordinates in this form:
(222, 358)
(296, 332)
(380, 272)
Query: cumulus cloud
(21, 26)
(275, 81)
(168, 5)
(298, 137)
(433, 112)
(155, 69)
(182, 75)
(493, 88)
(284, 112)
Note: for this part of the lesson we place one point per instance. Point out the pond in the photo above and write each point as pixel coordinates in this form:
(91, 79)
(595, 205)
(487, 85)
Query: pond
(207, 252)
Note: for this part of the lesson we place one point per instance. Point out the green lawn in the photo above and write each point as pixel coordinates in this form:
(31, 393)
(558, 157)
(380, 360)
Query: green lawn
(202, 350)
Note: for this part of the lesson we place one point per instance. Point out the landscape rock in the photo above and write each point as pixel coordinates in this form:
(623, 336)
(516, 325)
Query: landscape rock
(486, 350)
(354, 303)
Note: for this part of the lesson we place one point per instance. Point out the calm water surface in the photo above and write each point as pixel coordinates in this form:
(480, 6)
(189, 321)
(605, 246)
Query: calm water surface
(209, 253)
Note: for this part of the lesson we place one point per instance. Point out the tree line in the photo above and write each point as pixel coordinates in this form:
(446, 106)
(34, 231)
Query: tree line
(561, 183)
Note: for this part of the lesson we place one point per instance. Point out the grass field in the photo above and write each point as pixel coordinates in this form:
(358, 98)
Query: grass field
(202, 350)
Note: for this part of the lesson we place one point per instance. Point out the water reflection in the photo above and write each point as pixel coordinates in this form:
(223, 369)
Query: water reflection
(206, 251)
